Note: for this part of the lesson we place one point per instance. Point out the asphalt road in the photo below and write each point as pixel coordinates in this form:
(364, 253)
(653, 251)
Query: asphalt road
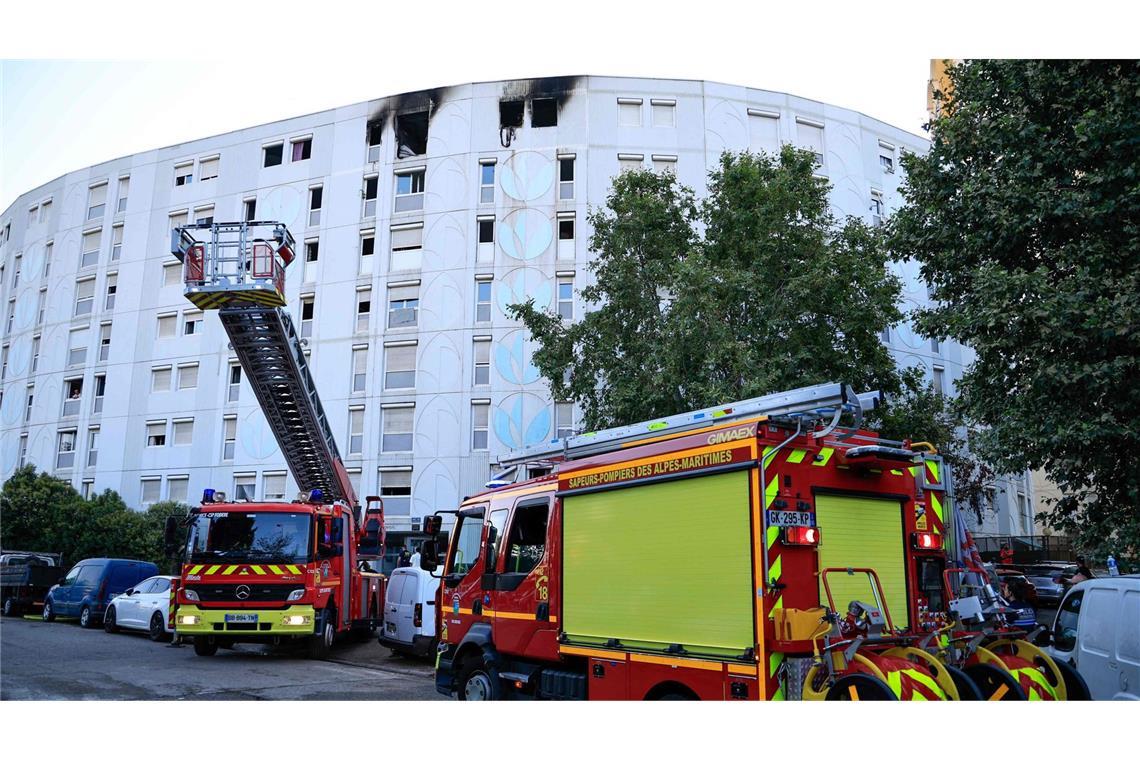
(63, 661)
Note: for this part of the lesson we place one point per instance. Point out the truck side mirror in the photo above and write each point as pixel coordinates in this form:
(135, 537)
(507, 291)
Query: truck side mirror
(432, 525)
(429, 554)
(170, 536)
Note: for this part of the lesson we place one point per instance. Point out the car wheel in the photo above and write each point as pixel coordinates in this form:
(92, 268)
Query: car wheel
(9, 607)
(204, 646)
(158, 628)
(321, 642)
(109, 621)
(49, 612)
(478, 682)
(86, 619)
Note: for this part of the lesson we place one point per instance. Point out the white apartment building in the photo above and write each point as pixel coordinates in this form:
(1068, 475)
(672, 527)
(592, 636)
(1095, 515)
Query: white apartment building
(419, 218)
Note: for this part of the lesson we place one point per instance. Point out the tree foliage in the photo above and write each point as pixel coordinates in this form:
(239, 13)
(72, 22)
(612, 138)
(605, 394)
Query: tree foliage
(1024, 217)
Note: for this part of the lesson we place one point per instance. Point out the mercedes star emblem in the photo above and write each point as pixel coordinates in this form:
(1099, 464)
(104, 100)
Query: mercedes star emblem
(242, 592)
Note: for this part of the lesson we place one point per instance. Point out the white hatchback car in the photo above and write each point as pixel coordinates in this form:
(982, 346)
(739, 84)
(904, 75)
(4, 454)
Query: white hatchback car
(145, 607)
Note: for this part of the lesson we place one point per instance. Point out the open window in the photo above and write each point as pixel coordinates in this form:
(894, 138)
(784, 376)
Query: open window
(1065, 626)
(526, 541)
(468, 543)
(411, 134)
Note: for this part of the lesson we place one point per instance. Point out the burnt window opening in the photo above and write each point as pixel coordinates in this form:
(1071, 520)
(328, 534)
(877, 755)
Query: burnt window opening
(544, 112)
(411, 134)
(375, 131)
(511, 113)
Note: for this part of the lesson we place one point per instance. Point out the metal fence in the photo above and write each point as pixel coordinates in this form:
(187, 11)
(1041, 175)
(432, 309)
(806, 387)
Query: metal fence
(1027, 549)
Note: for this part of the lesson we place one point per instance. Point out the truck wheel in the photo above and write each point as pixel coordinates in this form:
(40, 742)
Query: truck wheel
(157, 629)
(996, 685)
(9, 607)
(109, 621)
(49, 612)
(204, 646)
(86, 619)
(968, 691)
(478, 682)
(860, 687)
(320, 643)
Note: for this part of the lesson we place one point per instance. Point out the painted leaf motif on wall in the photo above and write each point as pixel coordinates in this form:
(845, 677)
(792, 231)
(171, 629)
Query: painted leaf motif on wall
(512, 361)
(525, 234)
(526, 176)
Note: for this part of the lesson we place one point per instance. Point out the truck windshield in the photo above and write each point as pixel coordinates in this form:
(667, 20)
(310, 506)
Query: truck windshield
(251, 536)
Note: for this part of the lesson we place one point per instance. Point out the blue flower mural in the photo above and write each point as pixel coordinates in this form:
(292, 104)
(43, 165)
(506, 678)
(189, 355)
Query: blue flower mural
(527, 176)
(523, 284)
(525, 234)
(513, 361)
(511, 426)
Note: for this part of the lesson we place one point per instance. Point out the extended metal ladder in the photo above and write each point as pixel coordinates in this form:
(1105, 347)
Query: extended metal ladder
(827, 401)
(238, 274)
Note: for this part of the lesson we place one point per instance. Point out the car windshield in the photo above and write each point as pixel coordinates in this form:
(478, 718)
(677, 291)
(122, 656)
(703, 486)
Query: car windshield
(1048, 571)
(251, 536)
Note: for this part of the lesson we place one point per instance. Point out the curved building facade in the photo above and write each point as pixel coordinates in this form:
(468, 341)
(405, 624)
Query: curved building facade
(420, 217)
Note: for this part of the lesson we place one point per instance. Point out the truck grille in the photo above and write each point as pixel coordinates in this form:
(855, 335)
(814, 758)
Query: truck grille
(226, 592)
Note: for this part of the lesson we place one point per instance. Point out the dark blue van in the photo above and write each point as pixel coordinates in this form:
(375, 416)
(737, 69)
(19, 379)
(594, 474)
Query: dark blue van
(91, 584)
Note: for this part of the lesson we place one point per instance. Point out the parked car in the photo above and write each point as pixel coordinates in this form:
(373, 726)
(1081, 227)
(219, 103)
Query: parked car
(145, 607)
(1097, 630)
(1048, 579)
(1017, 587)
(409, 612)
(25, 578)
(87, 589)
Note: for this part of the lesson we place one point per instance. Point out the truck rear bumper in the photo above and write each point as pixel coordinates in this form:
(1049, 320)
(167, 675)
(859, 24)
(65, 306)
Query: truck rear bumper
(296, 620)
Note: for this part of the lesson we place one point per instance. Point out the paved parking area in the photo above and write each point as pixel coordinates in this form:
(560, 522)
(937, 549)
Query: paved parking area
(63, 661)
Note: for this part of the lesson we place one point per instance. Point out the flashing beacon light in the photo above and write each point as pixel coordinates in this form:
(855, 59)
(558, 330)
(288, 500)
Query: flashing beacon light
(801, 535)
(316, 496)
(926, 541)
(207, 495)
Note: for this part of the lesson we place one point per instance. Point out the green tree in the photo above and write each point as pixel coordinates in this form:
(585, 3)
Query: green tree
(1024, 218)
(30, 507)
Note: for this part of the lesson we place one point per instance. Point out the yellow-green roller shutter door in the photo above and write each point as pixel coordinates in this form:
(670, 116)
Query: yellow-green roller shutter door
(862, 532)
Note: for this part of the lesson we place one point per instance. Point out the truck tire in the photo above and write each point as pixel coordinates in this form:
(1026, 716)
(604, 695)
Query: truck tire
(157, 629)
(86, 619)
(478, 681)
(109, 621)
(320, 643)
(204, 646)
(10, 607)
(860, 687)
(49, 611)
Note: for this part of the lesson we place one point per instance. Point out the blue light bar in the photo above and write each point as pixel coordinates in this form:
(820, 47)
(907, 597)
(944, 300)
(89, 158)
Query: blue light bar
(208, 495)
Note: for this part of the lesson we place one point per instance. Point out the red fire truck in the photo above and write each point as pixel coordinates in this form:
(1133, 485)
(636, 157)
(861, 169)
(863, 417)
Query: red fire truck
(751, 551)
(273, 571)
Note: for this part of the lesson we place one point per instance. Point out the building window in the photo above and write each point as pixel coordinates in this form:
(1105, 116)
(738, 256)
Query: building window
(544, 112)
(112, 288)
(480, 414)
(28, 402)
(876, 209)
(179, 219)
(937, 380)
(249, 209)
(411, 134)
(204, 215)
(171, 274)
(160, 379)
(3, 362)
(485, 249)
(302, 149)
(12, 315)
(482, 359)
(563, 420)
(104, 341)
(84, 296)
(629, 112)
(272, 154)
(208, 168)
(355, 429)
(77, 347)
(511, 113)
(96, 201)
(887, 163)
(764, 130)
(482, 301)
(91, 242)
(151, 490)
(565, 178)
(233, 388)
(363, 308)
(407, 246)
(397, 428)
(156, 433)
(65, 449)
(187, 376)
(403, 304)
(100, 392)
(359, 368)
(410, 190)
(167, 324)
(229, 437)
(33, 212)
(316, 198)
(124, 188)
(307, 309)
(192, 322)
(23, 456)
(47, 257)
(92, 446)
(664, 163)
(178, 488)
(664, 112)
(628, 162)
(87, 488)
(312, 254)
(116, 242)
(399, 366)
(184, 174)
(566, 235)
(273, 485)
(370, 187)
(935, 346)
(396, 490)
(565, 298)
(72, 396)
(183, 432)
(487, 182)
(45, 210)
(245, 487)
(809, 136)
(374, 132)
(36, 350)
(367, 249)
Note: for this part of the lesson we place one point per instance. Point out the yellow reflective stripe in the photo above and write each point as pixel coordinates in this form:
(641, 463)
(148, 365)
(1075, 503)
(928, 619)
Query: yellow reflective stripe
(1038, 678)
(826, 454)
(196, 569)
(775, 660)
(927, 681)
(257, 569)
(230, 570)
(213, 569)
(896, 472)
(294, 569)
(777, 606)
(770, 491)
(936, 505)
(933, 467)
(275, 570)
(772, 535)
(774, 570)
(797, 456)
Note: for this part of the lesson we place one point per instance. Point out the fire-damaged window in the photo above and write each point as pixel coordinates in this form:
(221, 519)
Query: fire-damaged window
(374, 132)
(544, 112)
(511, 113)
(411, 134)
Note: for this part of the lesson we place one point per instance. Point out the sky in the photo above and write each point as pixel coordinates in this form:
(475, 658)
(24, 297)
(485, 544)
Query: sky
(98, 87)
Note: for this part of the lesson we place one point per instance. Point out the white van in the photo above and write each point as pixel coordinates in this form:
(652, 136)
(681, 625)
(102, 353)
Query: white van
(409, 611)
(1097, 629)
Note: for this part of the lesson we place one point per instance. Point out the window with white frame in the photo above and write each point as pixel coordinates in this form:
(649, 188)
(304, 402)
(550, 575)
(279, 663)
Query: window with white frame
(363, 307)
(308, 307)
(77, 341)
(33, 214)
(36, 352)
(65, 448)
(480, 416)
(887, 156)
(45, 210)
(312, 255)
(481, 352)
(208, 168)
(233, 385)
(187, 376)
(90, 251)
(938, 380)
(563, 419)
(302, 148)
(566, 233)
(487, 181)
(155, 433)
(482, 301)
(249, 209)
(150, 490)
(354, 478)
(100, 392)
(355, 430)
(183, 432)
(3, 361)
(374, 133)
(407, 246)
(764, 130)
(359, 367)
(171, 274)
(396, 490)
(397, 427)
(116, 242)
(565, 298)
(167, 325)
(272, 154)
(367, 251)
(410, 190)
(72, 396)
(403, 303)
(96, 200)
(104, 341)
(22, 457)
(17, 265)
(664, 162)
(370, 187)
(178, 488)
(809, 136)
(273, 485)
(876, 208)
(112, 287)
(87, 488)
(191, 322)
(400, 365)
(92, 445)
(160, 378)
(229, 437)
(630, 161)
(204, 214)
(28, 402)
(183, 173)
(12, 315)
(84, 296)
(124, 189)
(566, 177)
(664, 112)
(179, 219)
(245, 486)
(316, 199)
(48, 250)
(629, 112)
